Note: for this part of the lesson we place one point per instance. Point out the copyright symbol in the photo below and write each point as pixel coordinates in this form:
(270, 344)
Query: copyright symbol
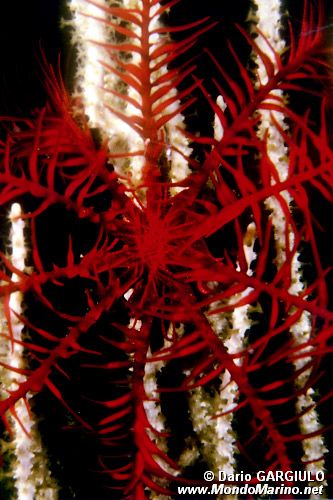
(209, 475)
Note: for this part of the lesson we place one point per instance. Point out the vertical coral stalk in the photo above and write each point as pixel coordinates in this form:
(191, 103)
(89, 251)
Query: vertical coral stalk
(96, 33)
(272, 124)
(90, 72)
(29, 466)
(216, 432)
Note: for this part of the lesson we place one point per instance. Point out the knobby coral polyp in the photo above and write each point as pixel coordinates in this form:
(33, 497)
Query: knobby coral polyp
(178, 315)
